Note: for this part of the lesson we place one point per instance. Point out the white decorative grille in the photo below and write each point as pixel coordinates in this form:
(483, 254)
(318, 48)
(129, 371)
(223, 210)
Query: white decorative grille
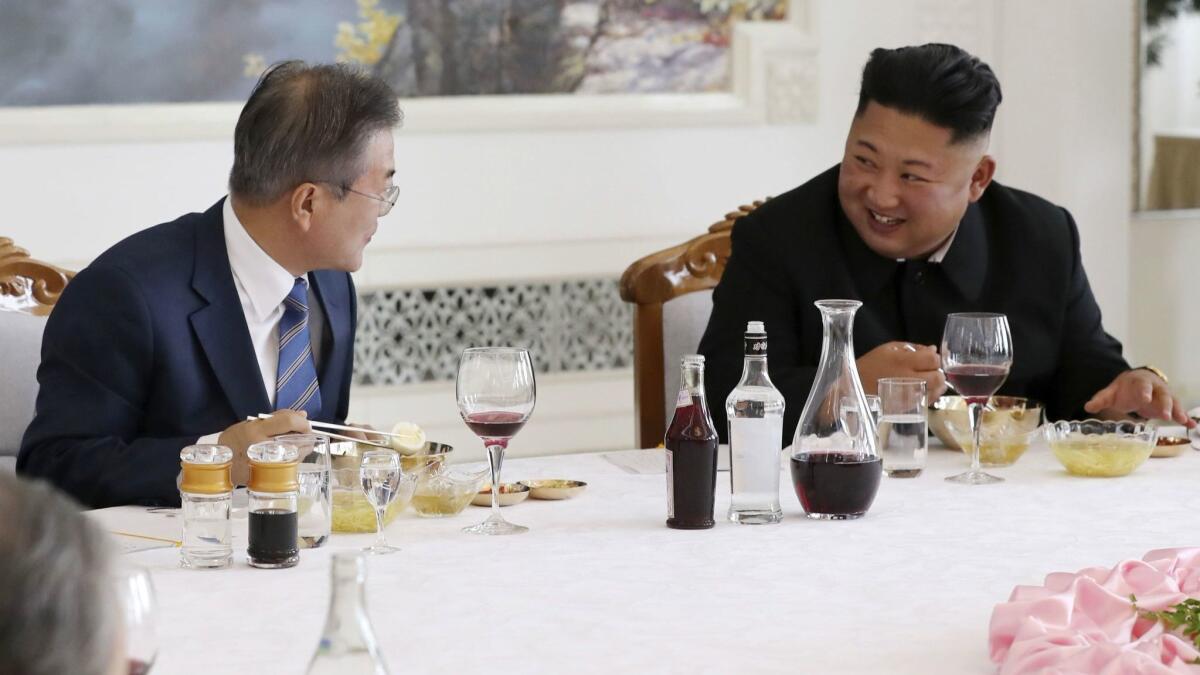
(416, 335)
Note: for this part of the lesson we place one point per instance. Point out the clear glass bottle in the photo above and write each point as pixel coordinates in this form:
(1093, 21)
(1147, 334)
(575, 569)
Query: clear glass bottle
(755, 412)
(274, 497)
(835, 465)
(347, 644)
(691, 442)
(206, 496)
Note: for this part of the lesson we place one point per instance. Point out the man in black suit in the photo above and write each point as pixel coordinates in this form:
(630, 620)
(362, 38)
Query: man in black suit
(912, 224)
(180, 332)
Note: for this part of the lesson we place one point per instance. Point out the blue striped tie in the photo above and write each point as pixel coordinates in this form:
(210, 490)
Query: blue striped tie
(296, 386)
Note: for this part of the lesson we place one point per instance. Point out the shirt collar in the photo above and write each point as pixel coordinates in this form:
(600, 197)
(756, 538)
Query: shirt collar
(940, 254)
(963, 257)
(264, 281)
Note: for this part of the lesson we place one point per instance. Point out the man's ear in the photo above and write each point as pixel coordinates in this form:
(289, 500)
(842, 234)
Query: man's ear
(982, 177)
(302, 206)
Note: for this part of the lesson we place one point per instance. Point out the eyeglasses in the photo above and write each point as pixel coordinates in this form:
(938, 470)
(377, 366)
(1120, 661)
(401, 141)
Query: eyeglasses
(386, 201)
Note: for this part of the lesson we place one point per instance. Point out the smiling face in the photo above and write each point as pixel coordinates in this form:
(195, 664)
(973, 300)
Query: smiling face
(904, 185)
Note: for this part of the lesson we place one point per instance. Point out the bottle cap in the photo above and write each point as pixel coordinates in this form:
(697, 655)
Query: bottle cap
(206, 469)
(273, 467)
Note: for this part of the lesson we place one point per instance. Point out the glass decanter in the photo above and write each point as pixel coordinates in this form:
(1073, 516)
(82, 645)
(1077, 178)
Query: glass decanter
(836, 466)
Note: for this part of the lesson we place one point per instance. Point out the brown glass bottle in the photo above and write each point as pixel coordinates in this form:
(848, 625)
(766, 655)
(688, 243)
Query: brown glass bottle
(691, 442)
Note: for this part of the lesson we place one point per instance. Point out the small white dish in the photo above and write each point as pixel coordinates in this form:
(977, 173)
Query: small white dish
(510, 493)
(554, 488)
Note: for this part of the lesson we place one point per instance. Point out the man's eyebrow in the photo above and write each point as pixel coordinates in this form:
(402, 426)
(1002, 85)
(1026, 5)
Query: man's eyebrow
(907, 162)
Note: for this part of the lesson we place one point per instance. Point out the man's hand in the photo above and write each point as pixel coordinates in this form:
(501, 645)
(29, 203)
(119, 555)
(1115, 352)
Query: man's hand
(902, 359)
(1142, 392)
(242, 435)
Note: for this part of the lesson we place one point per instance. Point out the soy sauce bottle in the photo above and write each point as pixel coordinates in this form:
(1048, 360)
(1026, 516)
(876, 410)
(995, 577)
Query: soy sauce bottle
(274, 498)
(691, 443)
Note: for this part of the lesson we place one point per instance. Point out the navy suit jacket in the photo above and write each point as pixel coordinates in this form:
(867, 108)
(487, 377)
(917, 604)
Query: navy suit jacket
(146, 351)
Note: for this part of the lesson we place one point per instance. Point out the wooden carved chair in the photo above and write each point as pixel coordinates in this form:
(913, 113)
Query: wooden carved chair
(28, 290)
(671, 291)
(28, 285)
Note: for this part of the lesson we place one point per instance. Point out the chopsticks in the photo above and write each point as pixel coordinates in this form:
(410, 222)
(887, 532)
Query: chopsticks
(326, 425)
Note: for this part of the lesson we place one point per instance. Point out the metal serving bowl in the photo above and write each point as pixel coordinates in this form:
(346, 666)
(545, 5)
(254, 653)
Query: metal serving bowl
(1009, 424)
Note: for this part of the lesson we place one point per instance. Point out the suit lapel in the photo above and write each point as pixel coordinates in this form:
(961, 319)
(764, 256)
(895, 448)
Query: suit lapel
(221, 326)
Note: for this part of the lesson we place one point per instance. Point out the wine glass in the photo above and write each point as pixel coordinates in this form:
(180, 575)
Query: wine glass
(977, 353)
(381, 478)
(496, 393)
(135, 595)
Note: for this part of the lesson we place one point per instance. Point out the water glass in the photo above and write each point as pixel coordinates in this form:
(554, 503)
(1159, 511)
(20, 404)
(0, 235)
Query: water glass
(903, 426)
(849, 415)
(315, 497)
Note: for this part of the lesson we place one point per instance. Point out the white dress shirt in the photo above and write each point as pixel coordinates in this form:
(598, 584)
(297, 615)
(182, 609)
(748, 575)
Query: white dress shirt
(940, 254)
(262, 284)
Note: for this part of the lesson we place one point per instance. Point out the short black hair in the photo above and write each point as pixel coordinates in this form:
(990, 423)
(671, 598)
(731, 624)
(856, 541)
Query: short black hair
(942, 84)
(307, 123)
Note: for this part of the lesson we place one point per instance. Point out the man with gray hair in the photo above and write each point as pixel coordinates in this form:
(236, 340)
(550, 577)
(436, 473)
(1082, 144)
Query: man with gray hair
(179, 333)
(58, 608)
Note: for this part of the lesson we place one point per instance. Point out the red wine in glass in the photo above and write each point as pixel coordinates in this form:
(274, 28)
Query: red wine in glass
(495, 391)
(496, 426)
(977, 351)
(976, 383)
(138, 667)
(835, 485)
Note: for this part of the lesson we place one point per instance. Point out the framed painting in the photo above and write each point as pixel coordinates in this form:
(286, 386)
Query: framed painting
(146, 70)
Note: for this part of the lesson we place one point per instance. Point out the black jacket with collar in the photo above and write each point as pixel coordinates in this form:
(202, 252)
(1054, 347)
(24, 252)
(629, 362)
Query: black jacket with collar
(1014, 253)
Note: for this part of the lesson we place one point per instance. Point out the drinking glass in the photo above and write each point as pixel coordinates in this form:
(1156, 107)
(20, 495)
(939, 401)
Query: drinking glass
(903, 426)
(315, 498)
(382, 481)
(496, 393)
(977, 354)
(849, 413)
(135, 595)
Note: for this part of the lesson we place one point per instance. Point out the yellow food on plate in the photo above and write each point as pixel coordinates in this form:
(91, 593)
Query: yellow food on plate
(353, 513)
(407, 438)
(1101, 455)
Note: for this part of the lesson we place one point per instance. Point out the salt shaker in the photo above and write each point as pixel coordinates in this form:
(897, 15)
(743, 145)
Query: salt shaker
(206, 494)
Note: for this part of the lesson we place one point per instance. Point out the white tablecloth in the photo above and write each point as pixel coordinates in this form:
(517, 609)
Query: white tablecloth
(600, 585)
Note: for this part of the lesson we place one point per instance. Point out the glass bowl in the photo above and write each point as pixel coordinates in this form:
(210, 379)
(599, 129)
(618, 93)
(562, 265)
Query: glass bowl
(1009, 426)
(351, 510)
(1099, 448)
(446, 490)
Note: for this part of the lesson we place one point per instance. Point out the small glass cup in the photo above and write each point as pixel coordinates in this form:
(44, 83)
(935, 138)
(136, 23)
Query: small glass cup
(903, 426)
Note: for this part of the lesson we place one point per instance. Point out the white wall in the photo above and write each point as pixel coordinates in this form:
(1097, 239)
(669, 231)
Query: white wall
(587, 202)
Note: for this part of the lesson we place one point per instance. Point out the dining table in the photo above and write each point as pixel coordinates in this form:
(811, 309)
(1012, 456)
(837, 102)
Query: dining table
(599, 584)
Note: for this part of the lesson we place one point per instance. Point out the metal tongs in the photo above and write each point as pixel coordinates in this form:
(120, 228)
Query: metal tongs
(327, 426)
